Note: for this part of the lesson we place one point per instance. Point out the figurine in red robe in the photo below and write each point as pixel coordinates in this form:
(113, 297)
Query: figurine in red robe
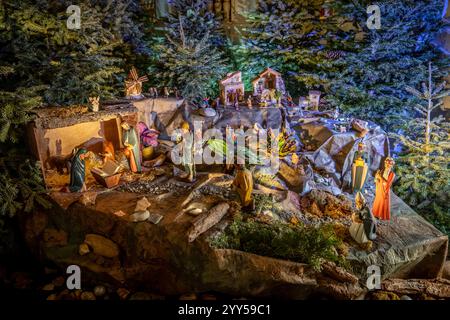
(383, 182)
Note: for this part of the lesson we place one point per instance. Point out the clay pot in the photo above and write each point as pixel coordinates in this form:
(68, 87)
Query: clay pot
(147, 153)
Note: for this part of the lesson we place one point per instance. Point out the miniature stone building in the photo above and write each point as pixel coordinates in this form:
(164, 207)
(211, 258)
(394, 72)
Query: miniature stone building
(56, 132)
(269, 79)
(231, 87)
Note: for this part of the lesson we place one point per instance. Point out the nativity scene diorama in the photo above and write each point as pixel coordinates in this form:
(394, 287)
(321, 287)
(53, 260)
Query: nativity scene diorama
(224, 150)
(119, 159)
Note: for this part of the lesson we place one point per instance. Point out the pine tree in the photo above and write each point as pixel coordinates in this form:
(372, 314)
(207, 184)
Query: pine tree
(375, 72)
(295, 38)
(189, 53)
(189, 56)
(423, 166)
(15, 111)
(191, 65)
(21, 180)
(22, 184)
(197, 20)
(429, 94)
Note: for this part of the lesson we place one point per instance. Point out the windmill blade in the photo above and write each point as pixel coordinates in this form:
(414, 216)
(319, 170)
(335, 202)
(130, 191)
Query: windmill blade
(143, 79)
(129, 83)
(133, 74)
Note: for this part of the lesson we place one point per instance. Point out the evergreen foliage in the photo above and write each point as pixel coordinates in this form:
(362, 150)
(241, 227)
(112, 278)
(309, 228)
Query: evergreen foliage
(376, 70)
(15, 110)
(194, 66)
(22, 185)
(73, 64)
(423, 167)
(295, 38)
(197, 20)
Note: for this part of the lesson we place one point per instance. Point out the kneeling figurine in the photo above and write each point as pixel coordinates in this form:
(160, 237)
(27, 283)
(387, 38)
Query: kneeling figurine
(364, 227)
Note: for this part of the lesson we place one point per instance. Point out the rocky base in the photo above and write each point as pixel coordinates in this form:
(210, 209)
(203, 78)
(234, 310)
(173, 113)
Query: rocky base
(173, 257)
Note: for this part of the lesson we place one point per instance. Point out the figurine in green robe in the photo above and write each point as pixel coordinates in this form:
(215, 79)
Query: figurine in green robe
(78, 171)
(132, 148)
(360, 168)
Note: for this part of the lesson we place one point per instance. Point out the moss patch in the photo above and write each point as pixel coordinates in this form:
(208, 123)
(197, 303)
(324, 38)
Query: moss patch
(298, 243)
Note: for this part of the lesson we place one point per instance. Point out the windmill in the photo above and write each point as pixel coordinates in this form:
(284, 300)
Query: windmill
(133, 85)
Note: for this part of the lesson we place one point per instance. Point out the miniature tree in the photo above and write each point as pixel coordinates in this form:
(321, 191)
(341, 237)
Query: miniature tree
(429, 94)
(191, 65)
(423, 164)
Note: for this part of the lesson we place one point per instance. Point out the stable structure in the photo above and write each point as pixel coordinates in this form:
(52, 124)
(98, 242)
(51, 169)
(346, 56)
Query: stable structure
(269, 79)
(56, 132)
(231, 88)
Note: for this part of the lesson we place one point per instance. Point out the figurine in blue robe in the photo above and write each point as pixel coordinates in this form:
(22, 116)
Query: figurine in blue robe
(78, 171)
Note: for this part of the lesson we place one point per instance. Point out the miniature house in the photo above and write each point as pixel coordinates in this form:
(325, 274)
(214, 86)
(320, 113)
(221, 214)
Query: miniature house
(269, 79)
(56, 132)
(231, 88)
